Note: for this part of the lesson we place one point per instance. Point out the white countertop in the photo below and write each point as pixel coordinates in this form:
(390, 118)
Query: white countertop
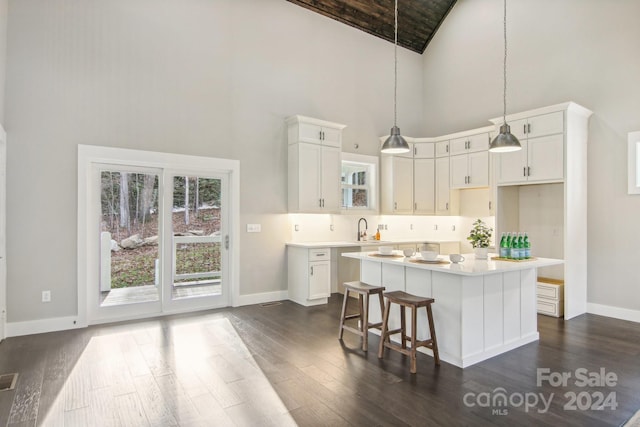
(345, 244)
(470, 266)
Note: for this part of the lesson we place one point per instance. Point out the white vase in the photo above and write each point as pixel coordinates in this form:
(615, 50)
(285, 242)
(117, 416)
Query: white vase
(481, 253)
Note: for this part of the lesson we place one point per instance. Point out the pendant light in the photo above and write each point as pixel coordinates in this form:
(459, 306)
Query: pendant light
(395, 144)
(505, 141)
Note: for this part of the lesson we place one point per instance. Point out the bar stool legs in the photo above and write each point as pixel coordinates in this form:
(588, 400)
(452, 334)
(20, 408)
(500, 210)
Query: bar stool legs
(405, 300)
(364, 291)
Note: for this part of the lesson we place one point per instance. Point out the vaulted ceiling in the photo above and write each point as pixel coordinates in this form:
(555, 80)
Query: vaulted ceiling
(418, 20)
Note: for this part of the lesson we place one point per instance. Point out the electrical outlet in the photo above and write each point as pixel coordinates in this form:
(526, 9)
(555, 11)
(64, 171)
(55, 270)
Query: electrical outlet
(254, 228)
(46, 296)
(453, 228)
(296, 227)
(410, 226)
(435, 227)
(331, 227)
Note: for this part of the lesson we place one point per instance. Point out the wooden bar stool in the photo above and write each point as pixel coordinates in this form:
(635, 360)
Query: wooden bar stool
(363, 290)
(413, 302)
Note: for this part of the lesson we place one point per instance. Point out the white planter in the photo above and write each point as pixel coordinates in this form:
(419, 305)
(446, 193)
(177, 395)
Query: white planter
(481, 253)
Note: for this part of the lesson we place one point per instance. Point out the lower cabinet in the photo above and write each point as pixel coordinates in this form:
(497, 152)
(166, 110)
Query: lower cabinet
(550, 297)
(309, 275)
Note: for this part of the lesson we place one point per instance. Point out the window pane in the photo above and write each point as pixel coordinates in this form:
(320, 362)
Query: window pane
(355, 198)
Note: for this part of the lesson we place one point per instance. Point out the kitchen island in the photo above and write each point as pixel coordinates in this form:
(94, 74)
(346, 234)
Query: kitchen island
(482, 307)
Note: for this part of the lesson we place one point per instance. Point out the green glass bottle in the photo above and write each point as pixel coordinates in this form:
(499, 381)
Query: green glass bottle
(514, 247)
(527, 246)
(503, 247)
(520, 246)
(507, 246)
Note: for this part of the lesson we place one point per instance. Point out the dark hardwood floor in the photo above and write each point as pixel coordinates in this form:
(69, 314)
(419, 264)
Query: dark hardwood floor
(282, 365)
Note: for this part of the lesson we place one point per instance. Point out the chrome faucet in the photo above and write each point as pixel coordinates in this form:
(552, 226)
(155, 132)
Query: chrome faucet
(365, 226)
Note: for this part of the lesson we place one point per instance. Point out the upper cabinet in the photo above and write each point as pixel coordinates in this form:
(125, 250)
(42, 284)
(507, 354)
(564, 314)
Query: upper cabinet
(541, 159)
(314, 165)
(470, 159)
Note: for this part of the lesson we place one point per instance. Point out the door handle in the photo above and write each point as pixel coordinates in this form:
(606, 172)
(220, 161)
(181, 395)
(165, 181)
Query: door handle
(529, 128)
(312, 270)
(226, 241)
(524, 171)
(528, 171)
(447, 206)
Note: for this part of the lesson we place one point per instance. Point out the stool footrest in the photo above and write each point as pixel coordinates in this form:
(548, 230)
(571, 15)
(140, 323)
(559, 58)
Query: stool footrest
(352, 316)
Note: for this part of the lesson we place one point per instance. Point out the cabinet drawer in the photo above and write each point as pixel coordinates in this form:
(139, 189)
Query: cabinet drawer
(319, 254)
(550, 308)
(550, 290)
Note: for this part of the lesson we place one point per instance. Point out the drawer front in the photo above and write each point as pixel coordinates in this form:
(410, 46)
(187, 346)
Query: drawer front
(550, 308)
(547, 291)
(323, 254)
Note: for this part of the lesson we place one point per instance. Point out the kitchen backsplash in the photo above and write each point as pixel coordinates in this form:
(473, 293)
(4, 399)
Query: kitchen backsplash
(328, 227)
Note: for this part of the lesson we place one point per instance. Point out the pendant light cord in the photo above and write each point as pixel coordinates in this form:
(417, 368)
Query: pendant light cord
(395, 70)
(504, 92)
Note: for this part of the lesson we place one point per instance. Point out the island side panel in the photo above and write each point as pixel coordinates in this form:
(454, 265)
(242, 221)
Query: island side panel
(472, 316)
(393, 279)
(418, 282)
(528, 311)
(511, 286)
(447, 314)
(493, 312)
(371, 273)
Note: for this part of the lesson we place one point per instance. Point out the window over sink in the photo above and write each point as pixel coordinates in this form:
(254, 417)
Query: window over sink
(359, 182)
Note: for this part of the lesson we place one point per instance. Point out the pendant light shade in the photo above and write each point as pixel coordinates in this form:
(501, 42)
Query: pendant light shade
(395, 144)
(505, 141)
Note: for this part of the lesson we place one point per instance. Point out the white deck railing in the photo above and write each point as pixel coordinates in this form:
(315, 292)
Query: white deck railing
(191, 240)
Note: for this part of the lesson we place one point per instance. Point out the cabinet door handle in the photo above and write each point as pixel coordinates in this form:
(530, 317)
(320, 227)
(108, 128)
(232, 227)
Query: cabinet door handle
(395, 205)
(529, 128)
(489, 205)
(469, 179)
(312, 270)
(415, 151)
(524, 171)
(447, 206)
(528, 171)
(415, 206)
(447, 148)
(524, 130)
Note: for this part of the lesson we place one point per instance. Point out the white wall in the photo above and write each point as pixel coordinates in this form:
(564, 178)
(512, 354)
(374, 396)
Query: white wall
(212, 78)
(579, 50)
(4, 6)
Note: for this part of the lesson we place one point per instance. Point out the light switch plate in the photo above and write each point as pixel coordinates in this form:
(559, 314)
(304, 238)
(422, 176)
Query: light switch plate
(254, 228)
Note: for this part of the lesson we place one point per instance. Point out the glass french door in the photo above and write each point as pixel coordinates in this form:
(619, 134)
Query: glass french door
(161, 237)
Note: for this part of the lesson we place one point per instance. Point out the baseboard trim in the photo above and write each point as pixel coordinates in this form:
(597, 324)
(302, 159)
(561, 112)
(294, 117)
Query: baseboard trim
(615, 312)
(252, 299)
(41, 326)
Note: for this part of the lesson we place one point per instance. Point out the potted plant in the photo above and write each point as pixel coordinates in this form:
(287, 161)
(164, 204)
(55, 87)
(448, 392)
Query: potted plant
(480, 238)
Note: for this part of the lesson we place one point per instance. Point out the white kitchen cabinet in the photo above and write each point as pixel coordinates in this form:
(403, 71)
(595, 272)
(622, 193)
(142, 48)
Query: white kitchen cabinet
(470, 170)
(424, 196)
(396, 181)
(542, 156)
(442, 148)
(314, 165)
(470, 144)
(443, 190)
(554, 158)
(309, 275)
(423, 150)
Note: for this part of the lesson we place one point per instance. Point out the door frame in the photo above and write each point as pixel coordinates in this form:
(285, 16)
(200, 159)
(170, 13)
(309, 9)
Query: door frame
(3, 233)
(88, 155)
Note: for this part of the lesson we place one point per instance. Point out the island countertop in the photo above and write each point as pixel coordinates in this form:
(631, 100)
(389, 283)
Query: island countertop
(469, 267)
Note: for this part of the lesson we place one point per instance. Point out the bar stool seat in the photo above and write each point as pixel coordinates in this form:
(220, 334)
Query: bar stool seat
(413, 302)
(363, 290)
